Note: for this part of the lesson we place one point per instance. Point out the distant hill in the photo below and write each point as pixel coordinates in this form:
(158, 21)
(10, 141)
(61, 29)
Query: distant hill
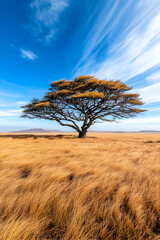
(41, 130)
(149, 131)
(36, 130)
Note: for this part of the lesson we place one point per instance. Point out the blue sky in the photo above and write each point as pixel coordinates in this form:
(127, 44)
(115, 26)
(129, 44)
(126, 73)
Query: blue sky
(46, 40)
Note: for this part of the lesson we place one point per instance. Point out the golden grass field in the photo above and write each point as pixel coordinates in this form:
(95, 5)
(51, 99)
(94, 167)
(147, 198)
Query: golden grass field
(104, 187)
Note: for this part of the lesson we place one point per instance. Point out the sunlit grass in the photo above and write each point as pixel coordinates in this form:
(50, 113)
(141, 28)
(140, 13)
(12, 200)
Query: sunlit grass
(106, 186)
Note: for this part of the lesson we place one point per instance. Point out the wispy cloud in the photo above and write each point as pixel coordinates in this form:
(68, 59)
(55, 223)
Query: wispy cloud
(46, 16)
(153, 77)
(136, 124)
(5, 114)
(50, 35)
(150, 94)
(9, 83)
(135, 49)
(142, 120)
(9, 104)
(153, 109)
(136, 54)
(21, 103)
(9, 113)
(8, 94)
(27, 54)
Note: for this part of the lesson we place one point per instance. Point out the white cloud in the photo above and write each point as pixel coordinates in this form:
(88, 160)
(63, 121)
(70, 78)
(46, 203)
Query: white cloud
(8, 104)
(21, 103)
(5, 114)
(50, 35)
(151, 109)
(98, 32)
(47, 11)
(150, 94)
(15, 111)
(142, 120)
(137, 53)
(154, 77)
(47, 14)
(10, 113)
(135, 50)
(136, 124)
(27, 54)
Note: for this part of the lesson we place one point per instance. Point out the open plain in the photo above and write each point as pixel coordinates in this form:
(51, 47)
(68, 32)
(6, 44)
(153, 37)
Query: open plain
(103, 187)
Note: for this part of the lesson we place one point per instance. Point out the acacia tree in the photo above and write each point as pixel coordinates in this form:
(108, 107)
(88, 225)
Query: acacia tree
(80, 103)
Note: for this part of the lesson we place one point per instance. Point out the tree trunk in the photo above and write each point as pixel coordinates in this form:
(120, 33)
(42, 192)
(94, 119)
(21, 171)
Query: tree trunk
(82, 134)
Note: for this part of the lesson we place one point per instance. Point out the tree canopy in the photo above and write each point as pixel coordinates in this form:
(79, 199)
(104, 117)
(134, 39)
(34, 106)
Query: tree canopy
(80, 103)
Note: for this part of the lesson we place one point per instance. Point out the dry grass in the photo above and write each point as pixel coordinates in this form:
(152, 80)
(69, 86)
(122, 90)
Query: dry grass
(107, 187)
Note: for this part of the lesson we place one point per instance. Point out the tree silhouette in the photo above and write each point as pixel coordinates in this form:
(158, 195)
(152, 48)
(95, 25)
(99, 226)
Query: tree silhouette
(80, 103)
